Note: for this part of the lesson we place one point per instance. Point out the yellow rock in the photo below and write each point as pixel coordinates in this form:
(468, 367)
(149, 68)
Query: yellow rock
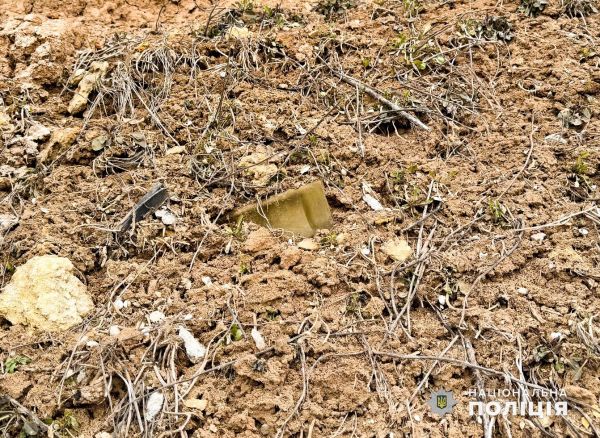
(87, 84)
(238, 33)
(44, 294)
(397, 249)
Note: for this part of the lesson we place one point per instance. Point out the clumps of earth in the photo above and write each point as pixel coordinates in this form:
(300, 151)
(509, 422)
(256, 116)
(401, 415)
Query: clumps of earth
(297, 219)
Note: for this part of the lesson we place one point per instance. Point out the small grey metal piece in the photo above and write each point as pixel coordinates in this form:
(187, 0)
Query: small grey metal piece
(155, 197)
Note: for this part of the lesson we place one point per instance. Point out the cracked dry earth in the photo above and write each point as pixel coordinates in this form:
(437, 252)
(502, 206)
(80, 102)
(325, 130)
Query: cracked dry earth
(228, 102)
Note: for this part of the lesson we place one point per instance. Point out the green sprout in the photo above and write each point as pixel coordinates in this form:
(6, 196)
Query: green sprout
(497, 210)
(580, 167)
(11, 364)
(236, 333)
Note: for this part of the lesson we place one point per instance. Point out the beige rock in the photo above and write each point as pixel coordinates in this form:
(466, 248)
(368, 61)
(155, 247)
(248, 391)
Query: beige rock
(87, 84)
(5, 122)
(59, 142)
(290, 257)
(98, 143)
(194, 403)
(397, 249)
(308, 244)
(175, 150)
(257, 165)
(44, 294)
(76, 77)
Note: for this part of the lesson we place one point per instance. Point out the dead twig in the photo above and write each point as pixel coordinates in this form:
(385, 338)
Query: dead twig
(376, 95)
(25, 412)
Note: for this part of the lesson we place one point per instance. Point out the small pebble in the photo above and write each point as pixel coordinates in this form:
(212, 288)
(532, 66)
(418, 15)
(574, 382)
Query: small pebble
(168, 218)
(304, 169)
(119, 304)
(91, 344)
(193, 348)
(583, 231)
(156, 316)
(442, 300)
(538, 237)
(114, 330)
(207, 281)
(154, 405)
(259, 340)
(186, 283)
(523, 290)
(308, 244)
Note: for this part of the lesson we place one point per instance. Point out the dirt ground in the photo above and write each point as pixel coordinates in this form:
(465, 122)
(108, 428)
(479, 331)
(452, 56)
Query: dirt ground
(497, 200)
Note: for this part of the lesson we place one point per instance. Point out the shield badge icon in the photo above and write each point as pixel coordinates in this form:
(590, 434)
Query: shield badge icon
(442, 402)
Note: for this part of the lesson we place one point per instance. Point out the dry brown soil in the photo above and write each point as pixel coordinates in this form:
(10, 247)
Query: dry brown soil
(513, 151)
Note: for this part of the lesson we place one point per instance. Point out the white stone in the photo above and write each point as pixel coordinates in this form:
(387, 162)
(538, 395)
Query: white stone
(7, 221)
(114, 330)
(372, 202)
(154, 405)
(523, 290)
(156, 316)
(555, 138)
(538, 237)
(258, 339)
(304, 169)
(193, 348)
(166, 217)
